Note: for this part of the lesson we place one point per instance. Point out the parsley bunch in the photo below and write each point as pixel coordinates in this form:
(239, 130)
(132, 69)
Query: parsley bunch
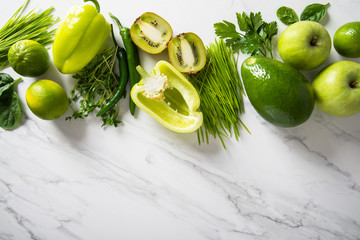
(256, 37)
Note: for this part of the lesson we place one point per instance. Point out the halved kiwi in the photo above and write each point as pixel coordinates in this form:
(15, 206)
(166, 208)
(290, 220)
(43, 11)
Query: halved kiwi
(151, 33)
(187, 53)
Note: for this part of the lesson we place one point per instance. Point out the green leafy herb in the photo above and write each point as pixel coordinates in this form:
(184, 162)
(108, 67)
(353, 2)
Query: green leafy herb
(220, 90)
(256, 37)
(314, 12)
(33, 26)
(287, 15)
(10, 109)
(96, 85)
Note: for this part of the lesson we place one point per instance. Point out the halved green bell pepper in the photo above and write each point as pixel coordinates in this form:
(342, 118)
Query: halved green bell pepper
(167, 96)
(78, 38)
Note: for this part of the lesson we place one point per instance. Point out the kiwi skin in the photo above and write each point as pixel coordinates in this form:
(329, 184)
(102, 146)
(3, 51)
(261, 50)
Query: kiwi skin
(154, 25)
(197, 53)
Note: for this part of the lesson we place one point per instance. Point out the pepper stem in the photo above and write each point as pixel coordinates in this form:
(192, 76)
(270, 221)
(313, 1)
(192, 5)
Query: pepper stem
(142, 71)
(96, 3)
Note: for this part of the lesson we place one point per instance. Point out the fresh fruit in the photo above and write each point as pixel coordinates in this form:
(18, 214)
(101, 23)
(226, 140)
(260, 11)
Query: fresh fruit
(304, 45)
(187, 53)
(337, 89)
(278, 92)
(29, 58)
(151, 33)
(46, 99)
(347, 40)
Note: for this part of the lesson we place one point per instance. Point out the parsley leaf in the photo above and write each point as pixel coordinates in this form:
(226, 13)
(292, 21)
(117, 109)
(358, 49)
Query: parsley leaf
(255, 36)
(226, 29)
(243, 21)
(250, 44)
(256, 20)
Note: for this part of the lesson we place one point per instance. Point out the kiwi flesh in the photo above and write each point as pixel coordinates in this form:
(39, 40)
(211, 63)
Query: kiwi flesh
(187, 53)
(151, 33)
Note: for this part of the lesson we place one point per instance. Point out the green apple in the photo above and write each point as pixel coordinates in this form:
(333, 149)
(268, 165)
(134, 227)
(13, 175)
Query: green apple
(337, 89)
(305, 45)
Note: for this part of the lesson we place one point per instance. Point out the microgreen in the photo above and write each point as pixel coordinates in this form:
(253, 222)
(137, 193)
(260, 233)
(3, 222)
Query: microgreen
(220, 90)
(255, 36)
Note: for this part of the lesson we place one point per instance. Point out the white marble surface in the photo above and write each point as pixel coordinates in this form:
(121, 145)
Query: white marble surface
(74, 180)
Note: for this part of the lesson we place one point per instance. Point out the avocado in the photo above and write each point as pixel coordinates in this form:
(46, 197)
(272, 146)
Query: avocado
(279, 92)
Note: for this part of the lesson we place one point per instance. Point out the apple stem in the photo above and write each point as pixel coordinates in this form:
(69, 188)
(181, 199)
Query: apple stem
(314, 40)
(354, 84)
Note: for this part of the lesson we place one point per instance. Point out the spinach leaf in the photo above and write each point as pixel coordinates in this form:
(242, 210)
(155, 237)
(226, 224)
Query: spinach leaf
(314, 12)
(10, 116)
(10, 109)
(6, 82)
(287, 15)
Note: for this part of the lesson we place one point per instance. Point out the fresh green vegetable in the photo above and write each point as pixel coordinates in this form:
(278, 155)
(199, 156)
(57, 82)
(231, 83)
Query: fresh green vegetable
(287, 15)
(96, 85)
(79, 38)
(123, 79)
(33, 26)
(220, 91)
(257, 36)
(168, 97)
(278, 92)
(10, 109)
(132, 57)
(313, 12)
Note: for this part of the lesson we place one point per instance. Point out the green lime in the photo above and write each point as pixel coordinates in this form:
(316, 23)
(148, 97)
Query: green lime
(347, 40)
(47, 99)
(29, 58)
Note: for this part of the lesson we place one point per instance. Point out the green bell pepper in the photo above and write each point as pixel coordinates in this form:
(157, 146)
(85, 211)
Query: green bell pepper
(78, 38)
(167, 96)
